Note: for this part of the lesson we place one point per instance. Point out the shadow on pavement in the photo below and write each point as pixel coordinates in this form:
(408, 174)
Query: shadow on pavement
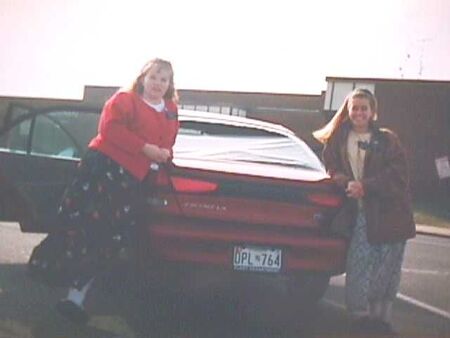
(152, 311)
(26, 309)
(119, 308)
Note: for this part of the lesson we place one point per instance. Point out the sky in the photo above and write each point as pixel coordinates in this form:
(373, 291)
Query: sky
(52, 48)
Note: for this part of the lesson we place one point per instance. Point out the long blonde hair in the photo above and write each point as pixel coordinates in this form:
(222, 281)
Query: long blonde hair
(138, 87)
(326, 132)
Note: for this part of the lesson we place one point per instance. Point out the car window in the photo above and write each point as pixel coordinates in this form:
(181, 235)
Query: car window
(15, 112)
(223, 142)
(204, 128)
(16, 139)
(63, 133)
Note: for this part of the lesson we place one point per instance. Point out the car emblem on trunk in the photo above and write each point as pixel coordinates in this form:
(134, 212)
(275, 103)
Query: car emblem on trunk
(205, 206)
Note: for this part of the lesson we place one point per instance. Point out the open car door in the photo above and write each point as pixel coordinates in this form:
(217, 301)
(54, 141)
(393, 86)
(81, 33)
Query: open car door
(39, 152)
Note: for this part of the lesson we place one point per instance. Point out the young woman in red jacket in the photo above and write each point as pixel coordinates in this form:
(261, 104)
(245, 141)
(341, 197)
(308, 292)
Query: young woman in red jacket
(99, 211)
(369, 165)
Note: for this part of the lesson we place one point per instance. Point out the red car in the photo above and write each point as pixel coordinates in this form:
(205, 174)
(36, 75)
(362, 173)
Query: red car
(243, 201)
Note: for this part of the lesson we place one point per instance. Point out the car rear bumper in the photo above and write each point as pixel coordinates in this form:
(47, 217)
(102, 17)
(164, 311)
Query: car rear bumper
(211, 245)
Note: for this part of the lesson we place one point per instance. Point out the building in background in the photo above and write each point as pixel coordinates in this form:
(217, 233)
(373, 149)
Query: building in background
(300, 113)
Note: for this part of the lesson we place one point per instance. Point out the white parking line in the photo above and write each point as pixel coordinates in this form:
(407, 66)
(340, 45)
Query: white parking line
(424, 306)
(10, 224)
(402, 297)
(427, 272)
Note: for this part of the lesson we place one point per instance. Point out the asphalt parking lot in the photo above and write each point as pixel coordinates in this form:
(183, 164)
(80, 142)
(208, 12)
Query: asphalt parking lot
(118, 310)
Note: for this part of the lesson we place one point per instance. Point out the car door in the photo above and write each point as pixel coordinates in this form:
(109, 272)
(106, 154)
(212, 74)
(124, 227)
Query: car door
(39, 153)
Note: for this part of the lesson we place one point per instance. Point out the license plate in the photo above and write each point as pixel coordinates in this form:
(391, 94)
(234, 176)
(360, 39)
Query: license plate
(251, 258)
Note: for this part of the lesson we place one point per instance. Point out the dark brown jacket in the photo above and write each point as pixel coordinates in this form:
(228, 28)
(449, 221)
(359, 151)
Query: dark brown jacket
(387, 201)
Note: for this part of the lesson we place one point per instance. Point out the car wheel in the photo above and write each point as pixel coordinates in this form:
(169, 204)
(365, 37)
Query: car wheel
(308, 288)
(304, 291)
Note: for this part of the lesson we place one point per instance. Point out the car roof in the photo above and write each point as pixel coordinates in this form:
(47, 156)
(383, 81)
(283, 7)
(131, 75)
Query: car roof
(183, 115)
(207, 117)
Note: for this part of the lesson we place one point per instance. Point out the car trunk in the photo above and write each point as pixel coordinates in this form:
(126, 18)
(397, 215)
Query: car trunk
(235, 194)
(208, 209)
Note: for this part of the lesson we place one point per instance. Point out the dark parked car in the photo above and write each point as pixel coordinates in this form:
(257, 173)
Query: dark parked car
(243, 201)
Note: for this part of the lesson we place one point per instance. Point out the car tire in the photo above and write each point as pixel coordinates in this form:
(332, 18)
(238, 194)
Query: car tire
(308, 288)
(305, 291)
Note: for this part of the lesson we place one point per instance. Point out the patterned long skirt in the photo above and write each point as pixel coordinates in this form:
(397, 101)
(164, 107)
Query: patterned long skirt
(98, 219)
(373, 271)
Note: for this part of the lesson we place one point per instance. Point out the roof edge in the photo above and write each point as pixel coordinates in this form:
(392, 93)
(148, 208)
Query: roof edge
(87, 87)
(373, 79)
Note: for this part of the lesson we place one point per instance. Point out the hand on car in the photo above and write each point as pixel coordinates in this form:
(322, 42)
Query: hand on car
(155, 153)
(165, 154)
(354, 189)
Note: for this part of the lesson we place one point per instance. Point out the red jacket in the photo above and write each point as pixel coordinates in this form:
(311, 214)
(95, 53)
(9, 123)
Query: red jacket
(127, 123)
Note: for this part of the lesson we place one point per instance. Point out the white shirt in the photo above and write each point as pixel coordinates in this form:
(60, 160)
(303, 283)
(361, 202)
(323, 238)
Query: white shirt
(159, 107)
(356, 155)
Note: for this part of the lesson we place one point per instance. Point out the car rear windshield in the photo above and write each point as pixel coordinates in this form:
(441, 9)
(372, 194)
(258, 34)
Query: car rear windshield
(222, 142)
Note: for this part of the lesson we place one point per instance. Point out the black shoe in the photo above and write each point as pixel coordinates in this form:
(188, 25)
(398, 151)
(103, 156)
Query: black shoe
(73, 312)
(378, 327)
(362, 325)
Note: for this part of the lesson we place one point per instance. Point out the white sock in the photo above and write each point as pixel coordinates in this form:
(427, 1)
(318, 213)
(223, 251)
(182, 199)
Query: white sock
(78, 296)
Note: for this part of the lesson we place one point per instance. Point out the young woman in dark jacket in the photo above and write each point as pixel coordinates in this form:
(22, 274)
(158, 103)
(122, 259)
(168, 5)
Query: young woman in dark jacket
(369, 165)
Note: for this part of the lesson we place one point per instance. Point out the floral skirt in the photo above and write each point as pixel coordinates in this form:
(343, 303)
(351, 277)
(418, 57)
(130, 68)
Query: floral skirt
(98, 219)
(373, 271)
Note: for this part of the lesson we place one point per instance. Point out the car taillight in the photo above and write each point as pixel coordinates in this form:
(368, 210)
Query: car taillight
(182, 184)
(325, 199)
